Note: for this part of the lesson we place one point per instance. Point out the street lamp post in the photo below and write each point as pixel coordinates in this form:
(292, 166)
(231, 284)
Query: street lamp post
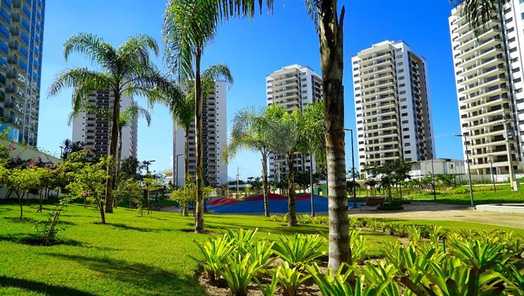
(464, 136)
(354, 187)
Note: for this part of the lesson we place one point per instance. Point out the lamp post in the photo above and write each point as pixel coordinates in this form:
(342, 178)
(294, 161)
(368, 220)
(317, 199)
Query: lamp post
(354, 187)
(177, 168)
(464, 136)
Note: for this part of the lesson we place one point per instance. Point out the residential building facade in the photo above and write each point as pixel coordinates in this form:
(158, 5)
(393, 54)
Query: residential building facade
(293, 87)
(489, 67)
(21, 38)
(392, 107)
(215, 141)
(93, 128)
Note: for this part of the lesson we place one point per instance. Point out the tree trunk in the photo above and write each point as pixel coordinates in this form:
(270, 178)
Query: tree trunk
(291, 203)
(265, 185)
(199, 106)
(102, 212)
(112, 152)
(332, 61)
(118, 154)
(21, 204)
(187, 176)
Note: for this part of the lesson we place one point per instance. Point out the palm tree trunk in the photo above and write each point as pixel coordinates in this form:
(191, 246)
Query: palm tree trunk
(187, 177)
(199, 203)
(265, 185)
(118, 155)
(292, 211)
(332, 62)
(112, 152)
(102, 212)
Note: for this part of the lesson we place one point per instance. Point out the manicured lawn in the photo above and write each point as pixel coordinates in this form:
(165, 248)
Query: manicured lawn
(482, 194)
(150, 255)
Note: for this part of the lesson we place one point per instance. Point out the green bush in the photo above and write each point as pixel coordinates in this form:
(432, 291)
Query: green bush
(299, 250)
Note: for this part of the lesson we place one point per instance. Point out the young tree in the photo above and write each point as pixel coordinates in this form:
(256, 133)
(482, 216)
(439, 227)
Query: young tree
(184, 195)
(124, 71)
(89, 181)
(21, 181)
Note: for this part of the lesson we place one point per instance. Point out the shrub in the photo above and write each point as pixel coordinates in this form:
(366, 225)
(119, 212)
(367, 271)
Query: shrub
(358, 246)
(299, 249)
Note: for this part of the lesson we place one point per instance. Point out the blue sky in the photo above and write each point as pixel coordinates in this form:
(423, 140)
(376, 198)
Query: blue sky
(252, 49)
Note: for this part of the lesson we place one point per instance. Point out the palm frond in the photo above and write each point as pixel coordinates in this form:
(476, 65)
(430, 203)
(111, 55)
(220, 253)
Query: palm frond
(93, 47)
(229, 8)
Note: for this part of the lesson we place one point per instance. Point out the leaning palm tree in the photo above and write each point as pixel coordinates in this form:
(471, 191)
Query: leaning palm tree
(188, 26)
(329, 22)
(124, 71)
(252, 130)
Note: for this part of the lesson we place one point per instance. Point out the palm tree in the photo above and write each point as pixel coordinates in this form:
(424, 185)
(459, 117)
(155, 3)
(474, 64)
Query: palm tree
(127, 117)
(329, 23)
(285, 128)
(188, 26)
(124, 71)
(252, 130)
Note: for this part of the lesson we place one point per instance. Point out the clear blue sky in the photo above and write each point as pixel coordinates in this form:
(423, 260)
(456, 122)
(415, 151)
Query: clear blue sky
(253, 49)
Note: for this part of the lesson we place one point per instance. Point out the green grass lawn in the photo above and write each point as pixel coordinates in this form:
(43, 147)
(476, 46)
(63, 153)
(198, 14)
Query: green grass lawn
(150, 255)
(482, 194)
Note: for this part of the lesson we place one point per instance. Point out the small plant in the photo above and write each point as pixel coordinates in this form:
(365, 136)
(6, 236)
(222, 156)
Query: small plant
(358, 246)
(216, 253)
(271, 288)
(239, 273)
(333, 283)
(290, 278)
(299, 249)
(242, 239)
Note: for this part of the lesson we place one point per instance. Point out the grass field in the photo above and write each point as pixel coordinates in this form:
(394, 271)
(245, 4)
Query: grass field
(482, 194)
(132, 255)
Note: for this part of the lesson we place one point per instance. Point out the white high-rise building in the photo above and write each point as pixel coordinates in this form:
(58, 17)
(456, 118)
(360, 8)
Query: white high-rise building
(488, 72)
(93, 129)
(391, 105)
(215, 141)
(292, 87)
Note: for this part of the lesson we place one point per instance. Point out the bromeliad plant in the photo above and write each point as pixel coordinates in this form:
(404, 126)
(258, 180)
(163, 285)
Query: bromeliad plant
(300, 250)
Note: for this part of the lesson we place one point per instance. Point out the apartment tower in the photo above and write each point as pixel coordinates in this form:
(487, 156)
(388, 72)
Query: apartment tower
(215, 141)
(391, 104)
(292, 87)
(93, 128)
(21, 37)
(489, 68)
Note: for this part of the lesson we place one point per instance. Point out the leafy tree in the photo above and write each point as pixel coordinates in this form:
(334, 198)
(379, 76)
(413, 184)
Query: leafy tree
(88, 181)
(128, 191)
(129, 168)
(21, 181)
(69, 146)
(124, 71)
(184, 195)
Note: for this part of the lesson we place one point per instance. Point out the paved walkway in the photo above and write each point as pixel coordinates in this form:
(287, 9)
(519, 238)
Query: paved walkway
(432, 211)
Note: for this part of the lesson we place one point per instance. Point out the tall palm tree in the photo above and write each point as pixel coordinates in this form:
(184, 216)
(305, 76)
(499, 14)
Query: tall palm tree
(124, 71)
(188, 26)
(329, 22)
(252, 130)
(285, 128)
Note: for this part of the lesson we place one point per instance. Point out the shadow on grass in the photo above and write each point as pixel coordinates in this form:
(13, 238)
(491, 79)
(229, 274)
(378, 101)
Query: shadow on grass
(34, 240)
(141, 275)
(39, 287)
(34, 221)
(280, 229)
(140, 229)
